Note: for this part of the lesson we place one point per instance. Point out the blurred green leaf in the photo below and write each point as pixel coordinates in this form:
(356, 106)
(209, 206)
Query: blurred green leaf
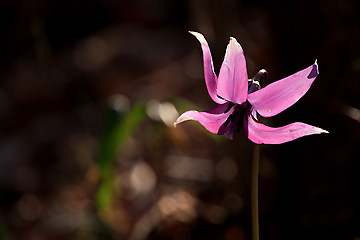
(118, 128)
(3, 231)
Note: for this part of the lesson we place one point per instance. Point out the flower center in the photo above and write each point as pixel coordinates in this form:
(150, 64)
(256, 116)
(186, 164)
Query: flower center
(240, 110)
(237, 116)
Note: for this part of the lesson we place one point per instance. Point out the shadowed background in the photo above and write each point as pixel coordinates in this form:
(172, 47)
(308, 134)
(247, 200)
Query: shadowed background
(89, 91)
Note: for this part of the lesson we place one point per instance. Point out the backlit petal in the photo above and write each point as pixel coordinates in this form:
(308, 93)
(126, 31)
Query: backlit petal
(212, 120)
(233, 77)
(279, 95)
(209, 74)
(259, 133)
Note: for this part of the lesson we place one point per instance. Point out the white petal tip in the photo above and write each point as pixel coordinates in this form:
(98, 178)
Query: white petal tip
(183, 117)
(196, 34)
(234, 43)
(233, 39)
(199, 37)
(176, 123)
(319, 131)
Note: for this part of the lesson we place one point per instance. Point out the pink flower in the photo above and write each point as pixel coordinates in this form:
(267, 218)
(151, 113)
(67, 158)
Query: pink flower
(239, 103)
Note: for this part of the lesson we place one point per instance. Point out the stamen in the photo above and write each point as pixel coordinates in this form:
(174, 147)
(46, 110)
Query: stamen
(229, 107)
(233, 115)
(237, 116)
(238, 126)
(253, 86)
(240, 120)
(260, 79)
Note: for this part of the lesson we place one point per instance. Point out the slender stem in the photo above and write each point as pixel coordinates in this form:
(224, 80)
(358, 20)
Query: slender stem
(254, 192)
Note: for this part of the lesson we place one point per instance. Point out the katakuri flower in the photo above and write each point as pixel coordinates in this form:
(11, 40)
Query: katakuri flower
(241, 99)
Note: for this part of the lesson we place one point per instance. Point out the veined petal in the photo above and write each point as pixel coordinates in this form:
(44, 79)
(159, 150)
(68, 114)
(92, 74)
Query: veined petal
(233, 78)
(279, 95)
(212, 120)
(209, 74)
(259, 133)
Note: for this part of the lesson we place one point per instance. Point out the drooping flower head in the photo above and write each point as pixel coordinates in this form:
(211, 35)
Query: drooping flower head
(240, 99)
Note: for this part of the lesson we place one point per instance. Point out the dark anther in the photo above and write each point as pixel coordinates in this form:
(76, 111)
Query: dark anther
(231, 118)
(238, 126)
(241, 119)
(229, 107)
(261, 77)
(233, 115)
(253, 86)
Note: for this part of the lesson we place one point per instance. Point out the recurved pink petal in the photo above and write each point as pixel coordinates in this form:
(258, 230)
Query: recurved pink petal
(259, 133)
(209, 74)
(279, 95)
(212, 120)
(233, 78)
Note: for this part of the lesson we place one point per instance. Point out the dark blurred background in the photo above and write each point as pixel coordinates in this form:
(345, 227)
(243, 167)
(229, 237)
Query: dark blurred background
(89, 91)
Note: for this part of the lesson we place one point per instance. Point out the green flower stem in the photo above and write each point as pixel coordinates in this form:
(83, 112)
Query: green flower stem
(254, 192)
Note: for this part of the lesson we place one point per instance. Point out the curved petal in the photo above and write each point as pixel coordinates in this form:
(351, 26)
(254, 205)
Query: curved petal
(233, 78)
(212, 120)
(259, 133)
(209, 74)
(279, 95)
